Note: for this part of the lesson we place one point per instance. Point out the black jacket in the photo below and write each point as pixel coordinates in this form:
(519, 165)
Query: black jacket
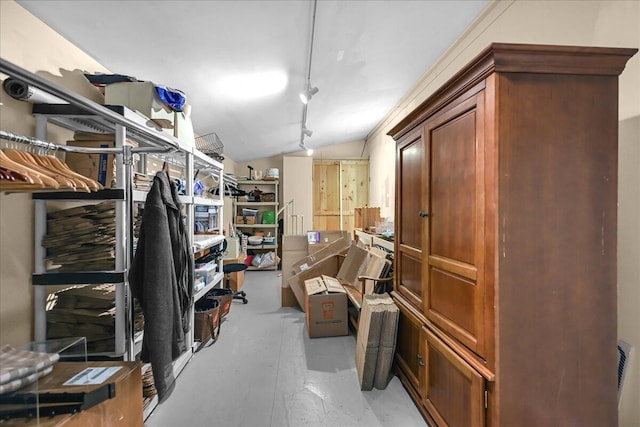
(161, 277)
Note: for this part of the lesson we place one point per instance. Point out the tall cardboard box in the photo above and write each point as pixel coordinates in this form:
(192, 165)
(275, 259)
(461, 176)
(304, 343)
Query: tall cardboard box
(326, 307)
(368, 340)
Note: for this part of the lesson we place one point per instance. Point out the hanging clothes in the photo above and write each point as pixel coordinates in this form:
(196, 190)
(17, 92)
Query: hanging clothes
(161, 278)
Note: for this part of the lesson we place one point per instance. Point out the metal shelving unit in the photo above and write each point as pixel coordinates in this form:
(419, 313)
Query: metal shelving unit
(263, 185)
(82, 114)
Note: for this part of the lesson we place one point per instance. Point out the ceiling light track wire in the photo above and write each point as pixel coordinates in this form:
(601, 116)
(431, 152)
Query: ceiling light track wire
(306, 95)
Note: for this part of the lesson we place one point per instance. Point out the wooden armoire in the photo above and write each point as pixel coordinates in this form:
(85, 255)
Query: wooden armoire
(505, 276)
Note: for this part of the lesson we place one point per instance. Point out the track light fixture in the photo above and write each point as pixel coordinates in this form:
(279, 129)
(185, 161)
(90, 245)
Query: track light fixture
(304, 148)
(306, 132)
(306, 96)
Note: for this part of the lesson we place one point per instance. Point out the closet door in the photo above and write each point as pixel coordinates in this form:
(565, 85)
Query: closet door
(411, 217)
(454, 391)
(454, 244)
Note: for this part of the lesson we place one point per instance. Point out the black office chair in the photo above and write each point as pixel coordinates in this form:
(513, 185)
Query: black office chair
(227, 269)
(216, 254)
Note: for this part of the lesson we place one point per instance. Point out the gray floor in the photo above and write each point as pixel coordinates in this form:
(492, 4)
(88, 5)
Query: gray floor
(265, 371)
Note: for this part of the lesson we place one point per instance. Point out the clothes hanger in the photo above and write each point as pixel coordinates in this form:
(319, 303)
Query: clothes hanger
(36, 178)
(27, 160)
(82, 183)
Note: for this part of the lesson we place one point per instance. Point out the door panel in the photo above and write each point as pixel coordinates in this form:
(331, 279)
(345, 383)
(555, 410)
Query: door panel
(410, 348)
(410, 176)
(454, 299)
(410, 282)
(453, 189)
(454, 391)
(410, 170)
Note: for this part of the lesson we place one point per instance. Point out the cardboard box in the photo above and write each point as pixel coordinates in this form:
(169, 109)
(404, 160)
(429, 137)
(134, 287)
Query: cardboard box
(318, 240)
(245, 219)
(294, 247)
(367, 217)
(368, 340)
(236, 280)
(340, 246)
(346, 270)
(99, 167)
(143, 98)
(183, 128)
(326, 307)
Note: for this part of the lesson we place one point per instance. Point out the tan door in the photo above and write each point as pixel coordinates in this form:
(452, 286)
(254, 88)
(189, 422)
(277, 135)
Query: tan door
(339, 187)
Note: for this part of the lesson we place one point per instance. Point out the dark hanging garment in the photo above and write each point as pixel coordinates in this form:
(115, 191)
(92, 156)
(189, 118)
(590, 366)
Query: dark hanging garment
(161, 278)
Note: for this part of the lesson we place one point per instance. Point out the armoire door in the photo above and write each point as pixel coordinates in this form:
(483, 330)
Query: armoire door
(454, 391)
(454, 243)
(410, 218)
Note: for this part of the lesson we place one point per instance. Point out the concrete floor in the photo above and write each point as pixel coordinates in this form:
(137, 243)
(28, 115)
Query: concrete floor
(265, 371)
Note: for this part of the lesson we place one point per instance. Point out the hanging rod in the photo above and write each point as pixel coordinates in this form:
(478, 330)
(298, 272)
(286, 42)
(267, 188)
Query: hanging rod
(91, 106)
(34, 142)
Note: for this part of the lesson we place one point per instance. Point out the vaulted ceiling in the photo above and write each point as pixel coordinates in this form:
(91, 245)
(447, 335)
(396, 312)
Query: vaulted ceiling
(366, 56)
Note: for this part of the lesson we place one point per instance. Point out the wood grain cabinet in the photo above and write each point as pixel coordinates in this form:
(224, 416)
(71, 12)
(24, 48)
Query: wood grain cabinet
(506, 187)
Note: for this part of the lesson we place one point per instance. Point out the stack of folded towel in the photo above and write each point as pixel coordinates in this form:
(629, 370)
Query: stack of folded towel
(19, 368)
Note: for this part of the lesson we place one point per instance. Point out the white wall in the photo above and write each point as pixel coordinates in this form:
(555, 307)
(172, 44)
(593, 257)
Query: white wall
(589, 23)
(297, 185)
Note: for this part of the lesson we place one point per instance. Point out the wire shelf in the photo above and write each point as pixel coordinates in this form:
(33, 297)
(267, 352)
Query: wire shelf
(210, 145)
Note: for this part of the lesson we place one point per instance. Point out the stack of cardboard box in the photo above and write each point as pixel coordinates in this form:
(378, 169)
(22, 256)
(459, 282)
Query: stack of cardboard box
(376, 341)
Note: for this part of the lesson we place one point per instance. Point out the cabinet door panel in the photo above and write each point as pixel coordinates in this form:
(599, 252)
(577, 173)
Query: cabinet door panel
(409, 348)
(409, 283)
(451, 299)
(410, 170)
(454, 299)
(454, 391)
(453, 201)
(410, 183)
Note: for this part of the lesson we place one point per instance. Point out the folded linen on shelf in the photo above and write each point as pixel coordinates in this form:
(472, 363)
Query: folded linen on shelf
(21, 367)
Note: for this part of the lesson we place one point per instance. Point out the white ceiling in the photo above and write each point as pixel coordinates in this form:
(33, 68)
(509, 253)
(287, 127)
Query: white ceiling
(366, 57)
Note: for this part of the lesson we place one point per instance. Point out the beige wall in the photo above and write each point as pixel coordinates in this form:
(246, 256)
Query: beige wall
(591, 23)
(22, 39)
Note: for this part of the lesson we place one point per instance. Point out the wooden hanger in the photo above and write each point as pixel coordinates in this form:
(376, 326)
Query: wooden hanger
(82, 183)
(38, 179)
(26, 159)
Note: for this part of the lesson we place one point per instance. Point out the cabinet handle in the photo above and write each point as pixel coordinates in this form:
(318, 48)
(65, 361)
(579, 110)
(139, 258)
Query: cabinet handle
(421, 363)
(419, 356)
(423, 214)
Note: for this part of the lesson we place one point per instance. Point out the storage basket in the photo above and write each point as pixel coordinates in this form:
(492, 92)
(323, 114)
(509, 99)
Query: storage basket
(210, 145)
(224, 297)
(268, 197)
(206, 320)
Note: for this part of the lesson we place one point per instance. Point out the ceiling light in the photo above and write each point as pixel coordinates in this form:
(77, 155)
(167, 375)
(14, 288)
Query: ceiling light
(304, 147)
(254, 85)
(306, 131)
(306, 96)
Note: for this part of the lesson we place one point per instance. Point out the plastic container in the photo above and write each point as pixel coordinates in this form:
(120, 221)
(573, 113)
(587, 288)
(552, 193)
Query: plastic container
(269, 217)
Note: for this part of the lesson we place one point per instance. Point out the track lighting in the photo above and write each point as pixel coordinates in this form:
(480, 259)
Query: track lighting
(306, 131)
(304, 147)
(306, 96)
